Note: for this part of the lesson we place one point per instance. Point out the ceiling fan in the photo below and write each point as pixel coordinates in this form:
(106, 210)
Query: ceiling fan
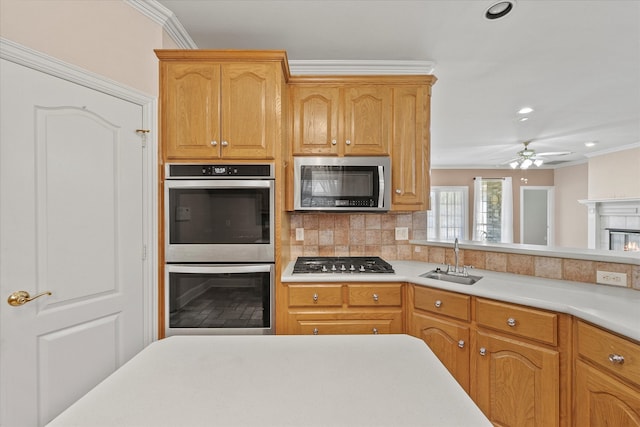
(528, 156)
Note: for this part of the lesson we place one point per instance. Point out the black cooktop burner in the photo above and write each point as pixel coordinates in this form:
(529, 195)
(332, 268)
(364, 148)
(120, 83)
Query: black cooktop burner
(322, 265)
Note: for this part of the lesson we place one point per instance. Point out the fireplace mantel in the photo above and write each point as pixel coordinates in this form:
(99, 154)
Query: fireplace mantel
(609, 213)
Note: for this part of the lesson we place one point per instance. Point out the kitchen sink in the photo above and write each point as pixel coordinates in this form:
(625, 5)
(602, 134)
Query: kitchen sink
(449, 277)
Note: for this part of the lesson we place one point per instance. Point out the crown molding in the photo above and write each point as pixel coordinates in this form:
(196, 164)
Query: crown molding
(30, 58)
(613, 150)
(166, 19)
(359, 67)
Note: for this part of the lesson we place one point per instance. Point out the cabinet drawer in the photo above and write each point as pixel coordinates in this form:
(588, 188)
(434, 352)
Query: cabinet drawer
(375, 295)
(517, 320)
(334, 327)
(443, 302)
(606, 349)
(315, 295)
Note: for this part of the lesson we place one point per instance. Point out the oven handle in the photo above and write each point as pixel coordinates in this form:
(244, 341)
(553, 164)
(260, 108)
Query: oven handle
(220, 268)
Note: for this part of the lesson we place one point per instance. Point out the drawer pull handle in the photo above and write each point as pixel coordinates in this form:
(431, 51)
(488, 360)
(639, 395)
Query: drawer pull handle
(334, 142)
(315, 331)
(315, 297)
(511, 322)
(461, 343)
(616, 359)
(214, 143)
(375, 297)
(438, 304)
(375, 331)
(483, 351)
(348, 142)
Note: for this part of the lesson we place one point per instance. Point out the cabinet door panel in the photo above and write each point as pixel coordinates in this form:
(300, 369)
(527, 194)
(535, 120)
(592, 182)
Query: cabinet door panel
(410, 151)
(367, 118)
(603, 401)
(515, 383)
(315, 120)
(191, 110)
(249, 117)
(449, 342)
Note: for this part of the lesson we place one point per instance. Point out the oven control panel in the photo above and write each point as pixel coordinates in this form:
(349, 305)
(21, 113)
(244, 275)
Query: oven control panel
(212, 171)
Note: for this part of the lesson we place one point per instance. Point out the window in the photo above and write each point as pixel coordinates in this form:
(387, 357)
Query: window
(448, 217)
(493, 210)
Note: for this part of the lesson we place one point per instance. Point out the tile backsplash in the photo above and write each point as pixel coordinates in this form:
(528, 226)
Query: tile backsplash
(374, 234)
(360, 234)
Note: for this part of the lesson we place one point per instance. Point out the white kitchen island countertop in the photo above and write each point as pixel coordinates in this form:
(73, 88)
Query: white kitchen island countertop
(613, 308)
(343, 380)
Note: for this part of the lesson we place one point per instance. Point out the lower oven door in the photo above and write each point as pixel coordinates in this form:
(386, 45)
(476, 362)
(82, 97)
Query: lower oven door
(229, 299)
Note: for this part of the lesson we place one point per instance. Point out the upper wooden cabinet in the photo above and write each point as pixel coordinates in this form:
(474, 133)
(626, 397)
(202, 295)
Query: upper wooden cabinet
(217, 104)
(410, 159)
(341, 121)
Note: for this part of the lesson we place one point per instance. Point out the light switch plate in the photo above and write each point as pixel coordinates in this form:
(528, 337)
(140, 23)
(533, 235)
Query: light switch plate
(299, 234)
(402, 233)
(611, 278)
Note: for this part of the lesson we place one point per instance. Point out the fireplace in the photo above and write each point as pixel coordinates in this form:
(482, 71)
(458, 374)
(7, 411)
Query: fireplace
(624, 240)
(613, 224)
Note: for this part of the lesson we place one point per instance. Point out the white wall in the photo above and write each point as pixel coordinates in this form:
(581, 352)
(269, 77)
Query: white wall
(570, 216)
(107, 37)
(615, 175)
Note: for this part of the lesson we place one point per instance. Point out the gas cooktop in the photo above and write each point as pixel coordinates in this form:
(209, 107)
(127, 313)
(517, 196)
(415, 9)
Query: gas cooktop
(323, 265)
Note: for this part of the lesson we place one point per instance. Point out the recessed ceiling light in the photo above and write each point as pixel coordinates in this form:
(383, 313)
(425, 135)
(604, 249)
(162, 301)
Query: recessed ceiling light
(590, 144)
(523, 119)
(525, 110)
(499, 9)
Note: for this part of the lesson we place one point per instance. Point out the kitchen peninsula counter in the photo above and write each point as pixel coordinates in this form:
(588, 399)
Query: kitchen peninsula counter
(612, 308)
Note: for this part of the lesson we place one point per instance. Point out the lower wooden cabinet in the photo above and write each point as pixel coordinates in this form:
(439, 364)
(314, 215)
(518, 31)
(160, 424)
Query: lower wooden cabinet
(515, 383)
(347, 308)
(449, 341)
(607, 379)
(514, 361)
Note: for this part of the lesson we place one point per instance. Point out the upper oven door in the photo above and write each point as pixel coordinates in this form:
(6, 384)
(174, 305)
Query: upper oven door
(219, 220)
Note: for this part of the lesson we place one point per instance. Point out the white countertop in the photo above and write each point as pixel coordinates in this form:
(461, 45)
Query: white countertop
(278, 380)
(613, 308)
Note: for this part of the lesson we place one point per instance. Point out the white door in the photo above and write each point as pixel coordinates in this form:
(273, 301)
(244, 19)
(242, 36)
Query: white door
(536, 215)
(71, 223)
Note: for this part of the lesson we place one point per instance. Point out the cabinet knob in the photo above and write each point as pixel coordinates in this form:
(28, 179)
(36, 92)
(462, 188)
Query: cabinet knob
(224, 143)
(214, 143)
(398, 191)
(483, 351)
(315, 297)
(334, 142)
(616, 359)
(315, 331)
(438, 304)
(348, 142)
(461, 343)
(375, 331)
(375, 297)
(511, 322)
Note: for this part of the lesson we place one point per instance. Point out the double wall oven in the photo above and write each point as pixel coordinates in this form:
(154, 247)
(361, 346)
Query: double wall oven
(219, 248)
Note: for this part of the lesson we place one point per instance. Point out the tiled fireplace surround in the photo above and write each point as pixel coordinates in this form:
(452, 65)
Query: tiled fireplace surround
(374, 235)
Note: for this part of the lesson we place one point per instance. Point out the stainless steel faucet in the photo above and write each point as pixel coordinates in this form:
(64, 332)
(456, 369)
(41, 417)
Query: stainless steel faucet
(456, 251)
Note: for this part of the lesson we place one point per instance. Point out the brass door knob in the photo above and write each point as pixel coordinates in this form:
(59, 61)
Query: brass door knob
(22, 297)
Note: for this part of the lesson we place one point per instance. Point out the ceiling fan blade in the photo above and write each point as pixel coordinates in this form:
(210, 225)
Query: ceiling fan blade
(555, 153)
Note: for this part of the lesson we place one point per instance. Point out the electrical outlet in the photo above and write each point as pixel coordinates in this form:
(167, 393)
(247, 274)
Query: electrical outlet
(402, 233)
(611, 278)
(299, 234)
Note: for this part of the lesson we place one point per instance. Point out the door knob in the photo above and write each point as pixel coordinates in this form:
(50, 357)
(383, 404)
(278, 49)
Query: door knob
(22, 297)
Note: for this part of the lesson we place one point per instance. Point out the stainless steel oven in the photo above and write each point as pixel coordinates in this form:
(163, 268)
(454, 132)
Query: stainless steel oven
(219, 213)
(219, 299)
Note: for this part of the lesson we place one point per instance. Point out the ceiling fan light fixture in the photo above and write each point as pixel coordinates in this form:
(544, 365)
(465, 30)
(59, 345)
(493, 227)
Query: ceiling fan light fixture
(514, 164)
(526, 163)
(538, 162)
(499, 9)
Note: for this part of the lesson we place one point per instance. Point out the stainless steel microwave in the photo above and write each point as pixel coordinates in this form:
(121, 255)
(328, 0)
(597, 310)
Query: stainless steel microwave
(342, 183)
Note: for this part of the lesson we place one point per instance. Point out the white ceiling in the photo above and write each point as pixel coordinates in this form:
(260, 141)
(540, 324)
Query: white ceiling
(577, 63)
